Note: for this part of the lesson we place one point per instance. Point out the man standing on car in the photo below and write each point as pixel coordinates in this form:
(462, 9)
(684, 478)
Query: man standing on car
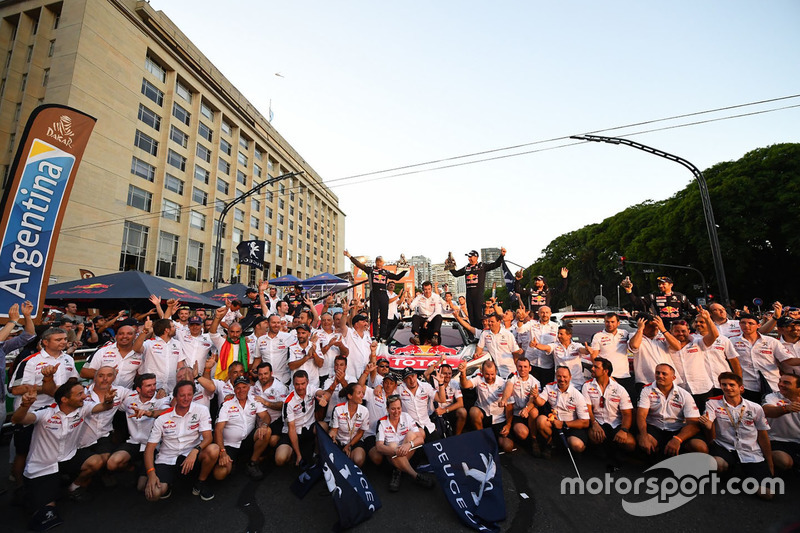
(666, 304)
(378, 295)
(475, 273)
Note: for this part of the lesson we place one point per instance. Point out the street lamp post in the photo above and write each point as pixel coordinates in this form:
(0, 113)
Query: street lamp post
(711, 226)
(228, 207)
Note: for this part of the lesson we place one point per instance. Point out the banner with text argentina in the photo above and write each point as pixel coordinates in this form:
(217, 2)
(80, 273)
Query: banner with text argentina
(33, 204)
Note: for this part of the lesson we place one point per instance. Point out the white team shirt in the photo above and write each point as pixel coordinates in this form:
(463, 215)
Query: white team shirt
(668, 412)
(127, 366)
(690, 364)
(275, 351)
(717, 356)
(570, 357)
(32, 375)
(452, 392)
(784, 428)
(614, 347)
(323, 339)
(239, 420)
(567, 405)
(161, 358)
(488, 395)
(427, 308)
(388, 434)
(300, 410)
(607, 405)
(500, 346)
(650, 354)
(347, 426)
(99, 425)
(195, 349)
(419, 405)
(794, 349)
(545, 334)
(140, 428)
(179, 434)
(359, 351)
(729, 328)
(275, 392)
(297, 352)
(376, 405)
(55, 439)
(737, 427)
(763, 357)
(522, 390)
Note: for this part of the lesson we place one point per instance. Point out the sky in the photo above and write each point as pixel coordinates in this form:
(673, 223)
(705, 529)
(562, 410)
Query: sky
(370, 86)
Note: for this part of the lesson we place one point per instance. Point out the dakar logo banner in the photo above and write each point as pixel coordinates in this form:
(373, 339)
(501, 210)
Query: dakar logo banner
(34, 202)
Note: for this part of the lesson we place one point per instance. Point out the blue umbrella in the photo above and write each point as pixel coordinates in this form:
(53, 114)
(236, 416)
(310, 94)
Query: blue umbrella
(324, 279)
(237, 291)
(286, 281)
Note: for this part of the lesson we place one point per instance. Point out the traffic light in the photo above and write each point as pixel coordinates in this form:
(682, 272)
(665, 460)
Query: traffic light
(622, 261)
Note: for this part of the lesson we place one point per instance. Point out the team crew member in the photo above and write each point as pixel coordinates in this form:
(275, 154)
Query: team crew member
(719, 356)
(783, 410)
(339, 380)
(232, 347)
(759, 356)
(223, 389)
(162, 355)
(375, 400)
(242, 425)
(610, 410)
(501, 346)
(97, 428)
(271, 393)
(540, 294)
(738, 429)
(649, 349)
(303, 354)
(196, 344)
(568, 412)
(487, 409)
(8, 345)
(727, 327)
(667, 417)
(141, 408)
(359, 345)
(789, 330)
(329, 345)
(564, 352)
(426, 324)
(378, 295)
(54, 449)
(298, 412)
(545, 332)
(666, 304)
(450, 399)
(612, 344)
(273, 348)
(349, 421)
(518, 394)
(294, 300)
(475, 275)
(185, 445)
(397, 434)
(690, 359)
(417, 397)
(119, 355)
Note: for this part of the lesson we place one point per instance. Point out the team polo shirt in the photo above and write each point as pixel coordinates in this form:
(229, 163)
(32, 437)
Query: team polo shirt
(161, 358)
(223, 390)
(784, 428)
(29, 372)
(55, 438)
(500, 346)
(568, 405)
(376, 405)
(690, 364)
(717, 356)
(418, 405)
(521, 390)
(522, 334)
(334, 399)
(607, 405)
(650, 354)
(99, 425)
(140, 428)
(202, 396)
(570, 357)
(297, 352)
(668, 412)
(488, 395)
(275, 351)
(794, 350)
(195, 349)
(347, 426)
(299, 410)
(762, 357)
(360, 351)
(737, 427)
(323, 339)
(239, 420)
(388, 433)
(127, 366)
(544, 334)
(427, 308)
(729, 328)
(614, 347)
(179, 434)
(452, 392)
(275, 392)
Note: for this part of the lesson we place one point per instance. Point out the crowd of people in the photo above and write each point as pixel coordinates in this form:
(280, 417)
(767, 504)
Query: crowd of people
(195, 394)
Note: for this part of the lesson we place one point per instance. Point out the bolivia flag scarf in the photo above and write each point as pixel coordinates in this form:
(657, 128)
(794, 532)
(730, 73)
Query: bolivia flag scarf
(230, 352)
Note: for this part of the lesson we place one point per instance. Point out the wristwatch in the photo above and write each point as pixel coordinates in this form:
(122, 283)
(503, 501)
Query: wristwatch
(198, 448)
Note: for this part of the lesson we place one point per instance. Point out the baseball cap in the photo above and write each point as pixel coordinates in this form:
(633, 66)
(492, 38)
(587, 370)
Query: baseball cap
(241, 380)
(539, 278)
(472, 253)
(303, 326)
(250, 289)
(391, 376)
(665, 279)
(259, 320)
(359, 318)
(196, 320)
(408, 372)
(382, 360)
(786, 321)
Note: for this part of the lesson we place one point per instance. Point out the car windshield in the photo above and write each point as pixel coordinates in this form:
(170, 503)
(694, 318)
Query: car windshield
(450, 335)
(583, 332)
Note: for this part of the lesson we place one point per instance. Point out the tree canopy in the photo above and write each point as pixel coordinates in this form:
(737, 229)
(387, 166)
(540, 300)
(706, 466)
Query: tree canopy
(755, 202)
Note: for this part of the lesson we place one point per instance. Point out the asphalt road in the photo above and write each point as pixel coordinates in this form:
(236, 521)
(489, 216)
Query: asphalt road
(272, 507)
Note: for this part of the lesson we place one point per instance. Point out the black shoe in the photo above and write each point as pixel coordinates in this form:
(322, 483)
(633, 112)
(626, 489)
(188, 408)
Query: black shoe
(435, 340)
(394, 484)
(426, 480)
(547, 452)
(167, 494)
(44, 519)
(79, 495)
(254, 471)
(536, 450)
(414, 340)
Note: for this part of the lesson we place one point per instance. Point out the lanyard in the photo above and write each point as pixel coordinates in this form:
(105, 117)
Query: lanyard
(734, 422)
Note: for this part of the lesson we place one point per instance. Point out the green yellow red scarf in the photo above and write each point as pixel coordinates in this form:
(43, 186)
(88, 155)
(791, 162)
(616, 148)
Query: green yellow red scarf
(228, 355)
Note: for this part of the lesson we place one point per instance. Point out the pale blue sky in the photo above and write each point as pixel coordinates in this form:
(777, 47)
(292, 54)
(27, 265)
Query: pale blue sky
(369, 86)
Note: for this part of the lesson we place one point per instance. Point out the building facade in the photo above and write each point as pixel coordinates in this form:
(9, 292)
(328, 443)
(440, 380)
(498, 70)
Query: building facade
(174, 143)
(493, 276)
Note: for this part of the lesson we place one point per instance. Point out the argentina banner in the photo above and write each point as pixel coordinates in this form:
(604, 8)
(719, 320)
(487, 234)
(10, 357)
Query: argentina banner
(34, 201)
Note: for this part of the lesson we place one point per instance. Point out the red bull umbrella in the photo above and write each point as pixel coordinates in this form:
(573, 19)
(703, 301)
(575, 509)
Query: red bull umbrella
(237, 291)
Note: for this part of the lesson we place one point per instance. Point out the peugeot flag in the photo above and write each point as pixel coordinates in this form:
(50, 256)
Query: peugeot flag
(468, 470)
(508, 278)
(251, 253)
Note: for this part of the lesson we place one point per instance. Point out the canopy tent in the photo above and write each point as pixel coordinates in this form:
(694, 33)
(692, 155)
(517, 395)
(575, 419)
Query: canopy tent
(129, 289)
(286, 281)
(237, 291)
(324, 279)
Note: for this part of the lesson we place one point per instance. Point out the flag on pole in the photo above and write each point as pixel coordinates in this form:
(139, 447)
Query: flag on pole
(467, 467)
(251, 253)
(508, 278)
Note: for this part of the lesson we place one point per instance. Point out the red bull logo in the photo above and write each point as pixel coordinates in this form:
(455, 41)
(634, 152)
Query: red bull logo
(424, 350)
(419, 357)
(176, 290)
(93, 286)
(225, 296)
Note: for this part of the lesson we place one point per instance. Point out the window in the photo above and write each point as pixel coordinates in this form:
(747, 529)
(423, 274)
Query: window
(258, 153)
(167, 257)
(237, 236)
(241, 177)
(152, 92)
(17, 111)
(300, 214)
(254, 222)
(255, 205)
(226, 128)
(268, 249)
(206, 111)
(197, 220)
(291, 239)
(35, 27)
(257, 170)
(181, 114)
(171, 183)
(280, 219)
(238, 214)
(281, 188)
(223, 166)
(267, 228)
(142, 169)
(280, 234)
(268, 212)
(291, 225)
(291, 210)
(242, 159)
(244, 143)
(222, 186)
(183, 91)
(149, 117)
(217, 226)
(239, 193)
(56, 21)
(194, 261)
(134, 247)
(45, 77)
(29, 55)
(146, 143)
(24, 83)
(199, 197)
(204, 131)
(201, 174)
(155, 69)
(288, 255)
(203, 153)
(171, 210)
(176, 160)
(291, 196)
(219, 205)
(139, 198)
(279, 251)
(52, 48)
(178, 136)
(281, 204)
(225, 146)
(268, 196)
(269, 165)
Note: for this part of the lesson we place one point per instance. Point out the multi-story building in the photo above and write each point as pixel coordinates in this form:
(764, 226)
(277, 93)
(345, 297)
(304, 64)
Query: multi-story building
(174, 142)
(493, 276)
(444, 277)
(422, 269)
